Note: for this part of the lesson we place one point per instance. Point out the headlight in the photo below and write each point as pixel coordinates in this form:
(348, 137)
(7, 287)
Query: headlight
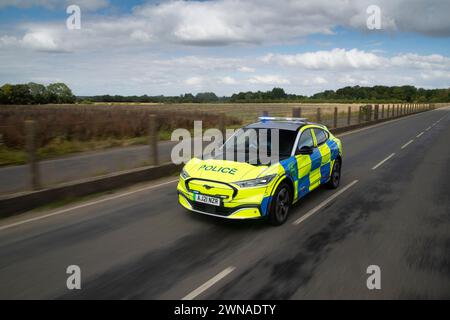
(184, 174)
(255, 182)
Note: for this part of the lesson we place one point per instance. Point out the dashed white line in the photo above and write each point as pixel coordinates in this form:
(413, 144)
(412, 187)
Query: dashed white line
(428, 128)
(208, 284)
(383, 161)
(408, 143)
(418, 136)
(324, 203)
(87, 204)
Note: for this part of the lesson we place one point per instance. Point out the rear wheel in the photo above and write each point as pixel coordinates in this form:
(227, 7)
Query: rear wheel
(280, 204)
(335, 177)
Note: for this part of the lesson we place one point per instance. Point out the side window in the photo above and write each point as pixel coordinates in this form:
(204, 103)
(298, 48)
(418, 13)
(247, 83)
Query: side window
(306, 140)
(321, 136)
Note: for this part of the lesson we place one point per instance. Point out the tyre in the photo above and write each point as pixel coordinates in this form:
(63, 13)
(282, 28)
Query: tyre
(335, 176)
(280, 204)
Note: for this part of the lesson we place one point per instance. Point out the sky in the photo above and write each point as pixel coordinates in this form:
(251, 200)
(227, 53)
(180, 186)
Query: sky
(226, 46)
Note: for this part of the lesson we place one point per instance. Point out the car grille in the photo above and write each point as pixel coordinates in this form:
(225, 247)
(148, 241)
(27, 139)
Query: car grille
(208, 208)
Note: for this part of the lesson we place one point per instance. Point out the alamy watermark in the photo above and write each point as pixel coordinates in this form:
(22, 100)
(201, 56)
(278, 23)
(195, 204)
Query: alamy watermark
(374, 280)
(373, 21)
(73, 282)
(73, 22)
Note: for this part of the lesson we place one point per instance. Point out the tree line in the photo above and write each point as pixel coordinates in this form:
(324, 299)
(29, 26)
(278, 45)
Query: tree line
(33, 93)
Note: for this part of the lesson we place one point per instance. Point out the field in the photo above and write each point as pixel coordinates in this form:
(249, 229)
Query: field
(63, 129)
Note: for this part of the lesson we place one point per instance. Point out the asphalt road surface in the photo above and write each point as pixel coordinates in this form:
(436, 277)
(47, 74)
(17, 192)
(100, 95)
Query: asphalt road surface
(392, 210)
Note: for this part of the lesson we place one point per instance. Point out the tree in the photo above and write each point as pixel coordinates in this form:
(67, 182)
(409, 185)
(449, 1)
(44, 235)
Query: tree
(206, 97)
(60, 93)
(38, 92)
(5, 94)
(278, 93)
(20, 94)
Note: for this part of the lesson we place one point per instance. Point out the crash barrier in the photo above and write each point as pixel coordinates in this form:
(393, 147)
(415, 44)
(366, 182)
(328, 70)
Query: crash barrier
(17, 203)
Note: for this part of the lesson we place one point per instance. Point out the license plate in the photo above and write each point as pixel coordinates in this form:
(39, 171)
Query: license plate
(207, 199)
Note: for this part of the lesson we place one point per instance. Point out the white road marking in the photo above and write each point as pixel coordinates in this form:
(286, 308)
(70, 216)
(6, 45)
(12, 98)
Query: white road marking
(87, 204)
(418, 136)
(406, 144)
(208, 284)
(383, 161)
(324, 203)
(428, 128)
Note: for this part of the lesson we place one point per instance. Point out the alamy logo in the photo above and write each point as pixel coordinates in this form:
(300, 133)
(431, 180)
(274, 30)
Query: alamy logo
(74, 280)
(73, 22)
(374, 280)
(374, 19)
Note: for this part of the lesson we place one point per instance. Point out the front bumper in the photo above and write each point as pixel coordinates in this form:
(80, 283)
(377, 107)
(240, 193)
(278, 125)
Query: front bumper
(246, 204)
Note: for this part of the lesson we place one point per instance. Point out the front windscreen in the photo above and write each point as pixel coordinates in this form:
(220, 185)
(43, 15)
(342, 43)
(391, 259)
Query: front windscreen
(258, 146)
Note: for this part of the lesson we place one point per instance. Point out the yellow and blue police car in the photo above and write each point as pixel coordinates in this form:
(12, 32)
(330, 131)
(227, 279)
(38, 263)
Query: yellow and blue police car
(308, 156)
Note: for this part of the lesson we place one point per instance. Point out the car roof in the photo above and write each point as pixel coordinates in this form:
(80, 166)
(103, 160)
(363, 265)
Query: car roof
(281, 125)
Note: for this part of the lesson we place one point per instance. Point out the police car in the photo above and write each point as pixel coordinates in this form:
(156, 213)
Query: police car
(308, 156)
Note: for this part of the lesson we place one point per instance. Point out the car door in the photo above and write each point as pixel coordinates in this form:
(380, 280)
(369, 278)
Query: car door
(308, 164)
(325, 152)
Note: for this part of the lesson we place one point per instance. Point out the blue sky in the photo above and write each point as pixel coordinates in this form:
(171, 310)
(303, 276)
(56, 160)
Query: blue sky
(225, 46)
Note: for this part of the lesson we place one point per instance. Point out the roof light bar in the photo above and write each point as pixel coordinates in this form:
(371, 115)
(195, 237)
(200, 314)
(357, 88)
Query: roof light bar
(282, 119)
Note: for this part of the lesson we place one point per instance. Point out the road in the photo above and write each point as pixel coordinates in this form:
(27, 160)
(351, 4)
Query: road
(391, 210)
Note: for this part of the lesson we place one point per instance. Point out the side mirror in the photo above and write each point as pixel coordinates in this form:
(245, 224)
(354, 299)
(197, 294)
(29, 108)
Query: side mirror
(305, 150)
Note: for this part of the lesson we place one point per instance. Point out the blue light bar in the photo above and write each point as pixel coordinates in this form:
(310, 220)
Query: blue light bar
(265, 119)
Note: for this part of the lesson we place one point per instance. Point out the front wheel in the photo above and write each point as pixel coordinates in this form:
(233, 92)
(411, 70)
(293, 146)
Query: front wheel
(335, 177)
(280, 204)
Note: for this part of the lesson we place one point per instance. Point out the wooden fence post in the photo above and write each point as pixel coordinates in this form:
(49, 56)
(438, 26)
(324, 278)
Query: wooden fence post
(369, 113)
(349, 116)
(377, 110)
(297, 112)
(153, 139)
(335, 118)
(318, 116)
(265, 113)
(222, 126)
(387, 111)
(360, 115)
(31, 147)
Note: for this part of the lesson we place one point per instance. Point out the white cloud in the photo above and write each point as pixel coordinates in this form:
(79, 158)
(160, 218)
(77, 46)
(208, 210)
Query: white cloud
(414, 60)
(342, 59)
(228, 80)
(268, 79)
(40, 41)
(194, 81)
(226, 22)
(246, 69)
(315, 81)
(334, 59)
